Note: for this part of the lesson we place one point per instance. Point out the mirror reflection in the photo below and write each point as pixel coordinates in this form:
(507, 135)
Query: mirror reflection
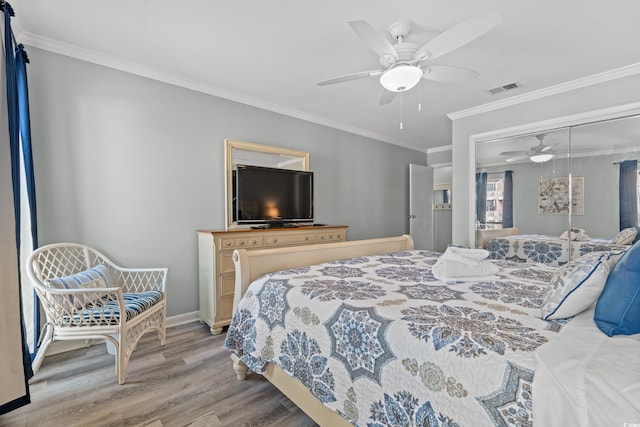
(560, 191)
(442, 196)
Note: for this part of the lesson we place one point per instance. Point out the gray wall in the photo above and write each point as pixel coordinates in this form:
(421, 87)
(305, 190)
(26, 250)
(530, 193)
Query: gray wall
(609, 94)
(134, 167)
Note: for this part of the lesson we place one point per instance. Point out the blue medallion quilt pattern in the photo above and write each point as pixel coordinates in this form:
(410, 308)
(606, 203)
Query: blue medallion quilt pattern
(382, 342)
(538, 248)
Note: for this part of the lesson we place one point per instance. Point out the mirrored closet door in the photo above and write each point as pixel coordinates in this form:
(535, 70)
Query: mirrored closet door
(560, 184)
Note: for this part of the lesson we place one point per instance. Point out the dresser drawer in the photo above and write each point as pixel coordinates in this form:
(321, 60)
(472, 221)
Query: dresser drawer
(240, 242)
(273, 240)
(226, 307)
(334, 236)
(228, 284)
(226, 263)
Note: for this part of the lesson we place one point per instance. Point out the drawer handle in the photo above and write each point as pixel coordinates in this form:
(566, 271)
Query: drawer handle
(242, 243)
(275, 240)
(228, 243)
(254, 242)
(306, 238)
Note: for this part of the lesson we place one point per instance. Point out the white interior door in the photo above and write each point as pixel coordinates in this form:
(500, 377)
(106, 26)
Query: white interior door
(421, 206)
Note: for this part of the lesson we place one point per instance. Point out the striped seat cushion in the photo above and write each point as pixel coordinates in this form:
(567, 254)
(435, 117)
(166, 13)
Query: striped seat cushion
(110, 314)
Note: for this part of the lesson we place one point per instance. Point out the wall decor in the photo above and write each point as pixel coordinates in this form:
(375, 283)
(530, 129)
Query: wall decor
(553, 197)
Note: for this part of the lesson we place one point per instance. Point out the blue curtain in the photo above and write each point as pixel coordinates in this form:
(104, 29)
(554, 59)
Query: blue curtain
(18, 122)
(28, 242)
(507, 200)
(481, 197)
(628, 188)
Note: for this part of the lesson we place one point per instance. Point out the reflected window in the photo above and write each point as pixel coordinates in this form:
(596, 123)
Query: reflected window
(495, 195)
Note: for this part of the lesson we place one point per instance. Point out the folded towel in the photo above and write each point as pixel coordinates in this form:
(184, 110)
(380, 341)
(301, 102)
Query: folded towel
(577, 234)
(458, 263)
(457, 253)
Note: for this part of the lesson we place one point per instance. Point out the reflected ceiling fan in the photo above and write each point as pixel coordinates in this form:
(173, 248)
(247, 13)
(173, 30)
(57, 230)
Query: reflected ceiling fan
(539, 154)
(404, 64)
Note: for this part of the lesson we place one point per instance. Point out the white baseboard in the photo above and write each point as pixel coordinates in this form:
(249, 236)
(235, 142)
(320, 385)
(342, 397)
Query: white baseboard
(182, 319)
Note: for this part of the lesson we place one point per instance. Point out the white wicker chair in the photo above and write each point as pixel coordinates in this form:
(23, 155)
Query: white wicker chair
(94, 312)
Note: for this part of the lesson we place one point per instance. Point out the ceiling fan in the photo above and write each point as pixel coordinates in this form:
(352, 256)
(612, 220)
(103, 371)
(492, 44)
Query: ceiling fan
(404, 64)
(538, 154)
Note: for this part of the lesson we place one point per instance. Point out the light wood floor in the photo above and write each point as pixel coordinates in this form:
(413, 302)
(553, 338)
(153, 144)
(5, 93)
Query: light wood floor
(188, 382)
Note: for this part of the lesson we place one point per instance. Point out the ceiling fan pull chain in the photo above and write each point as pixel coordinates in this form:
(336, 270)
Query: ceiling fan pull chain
(401, 110)
(420, 95)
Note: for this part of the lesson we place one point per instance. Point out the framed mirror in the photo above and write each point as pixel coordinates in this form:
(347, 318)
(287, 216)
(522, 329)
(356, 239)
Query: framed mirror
(442, 196)
(248, 153)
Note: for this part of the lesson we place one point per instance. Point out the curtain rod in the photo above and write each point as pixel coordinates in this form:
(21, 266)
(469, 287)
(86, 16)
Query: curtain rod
(2, 5)
(499, 173)
(11, 13)
(617, 163)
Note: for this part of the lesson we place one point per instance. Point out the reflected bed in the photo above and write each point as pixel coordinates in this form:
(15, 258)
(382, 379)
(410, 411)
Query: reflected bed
(537, 248)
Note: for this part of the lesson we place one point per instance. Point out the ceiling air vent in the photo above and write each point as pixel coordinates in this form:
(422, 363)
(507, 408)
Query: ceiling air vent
(504, 88)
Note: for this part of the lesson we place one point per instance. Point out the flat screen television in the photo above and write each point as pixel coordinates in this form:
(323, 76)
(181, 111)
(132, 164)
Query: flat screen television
(272, 196)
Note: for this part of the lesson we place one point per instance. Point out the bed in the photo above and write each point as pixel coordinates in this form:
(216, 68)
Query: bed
(538, 248)
(372, 338)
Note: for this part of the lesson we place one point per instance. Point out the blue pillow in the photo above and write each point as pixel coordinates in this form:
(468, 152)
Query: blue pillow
(618, 308)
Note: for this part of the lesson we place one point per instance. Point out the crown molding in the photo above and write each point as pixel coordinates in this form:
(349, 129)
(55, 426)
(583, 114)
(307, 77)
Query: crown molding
(440, 149)
(628, 70)
(94, 57)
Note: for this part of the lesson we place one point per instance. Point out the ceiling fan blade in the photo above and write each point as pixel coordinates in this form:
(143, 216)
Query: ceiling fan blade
(447, 74)
(516, 158)
(514, 153)
(458, 36)
(386, 96)
(545, 148)
(376, 41)
(347, 77)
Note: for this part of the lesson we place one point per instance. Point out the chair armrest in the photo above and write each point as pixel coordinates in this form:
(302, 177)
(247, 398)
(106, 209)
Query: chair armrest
(136, 280)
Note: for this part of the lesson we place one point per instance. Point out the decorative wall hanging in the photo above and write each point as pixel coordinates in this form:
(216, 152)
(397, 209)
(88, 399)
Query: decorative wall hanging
(553, 197)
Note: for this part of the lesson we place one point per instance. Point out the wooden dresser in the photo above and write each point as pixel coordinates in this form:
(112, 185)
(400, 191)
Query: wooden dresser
(216, 270)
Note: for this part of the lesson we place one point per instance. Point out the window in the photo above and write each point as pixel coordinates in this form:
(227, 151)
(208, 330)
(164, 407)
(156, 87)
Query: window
(495, 192)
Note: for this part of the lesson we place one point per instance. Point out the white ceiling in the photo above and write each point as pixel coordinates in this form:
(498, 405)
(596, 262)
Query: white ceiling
(271, 53)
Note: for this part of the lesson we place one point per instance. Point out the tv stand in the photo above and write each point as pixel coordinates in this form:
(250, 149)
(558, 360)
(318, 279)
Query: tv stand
(216, 270)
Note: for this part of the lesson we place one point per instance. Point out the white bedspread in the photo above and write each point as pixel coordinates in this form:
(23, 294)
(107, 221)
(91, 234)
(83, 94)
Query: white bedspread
(596, 378)
(379, 340)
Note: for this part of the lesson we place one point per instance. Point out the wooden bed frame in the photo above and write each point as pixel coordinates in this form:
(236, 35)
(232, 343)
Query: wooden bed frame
(250, 265)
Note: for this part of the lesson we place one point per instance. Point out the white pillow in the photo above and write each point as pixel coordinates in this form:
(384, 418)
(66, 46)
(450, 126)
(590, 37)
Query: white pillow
(576, 286)
(626, 236)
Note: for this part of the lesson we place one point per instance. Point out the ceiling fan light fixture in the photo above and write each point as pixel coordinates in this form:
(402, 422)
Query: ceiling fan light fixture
(541, 158)
(401, 78)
